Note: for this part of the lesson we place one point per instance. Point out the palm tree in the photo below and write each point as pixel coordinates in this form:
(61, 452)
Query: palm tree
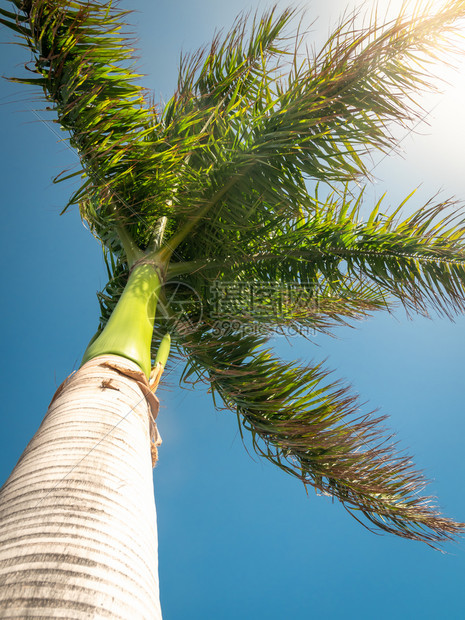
(215, 233)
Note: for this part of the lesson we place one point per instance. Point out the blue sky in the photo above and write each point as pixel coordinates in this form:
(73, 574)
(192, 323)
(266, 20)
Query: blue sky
(237, 538)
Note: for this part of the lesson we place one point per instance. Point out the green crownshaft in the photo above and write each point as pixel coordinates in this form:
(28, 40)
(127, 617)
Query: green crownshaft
(129, 330)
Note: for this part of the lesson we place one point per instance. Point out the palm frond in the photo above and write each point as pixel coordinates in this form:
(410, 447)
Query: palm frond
(419, 260)
(86, 66)
(318, 123)
(313, 429)
(234, 71)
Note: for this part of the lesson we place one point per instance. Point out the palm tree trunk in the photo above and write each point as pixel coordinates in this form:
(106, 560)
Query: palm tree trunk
(78, 536)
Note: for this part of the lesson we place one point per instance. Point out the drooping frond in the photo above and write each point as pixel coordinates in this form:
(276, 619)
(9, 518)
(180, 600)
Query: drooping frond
(85, 66)
(314, 430)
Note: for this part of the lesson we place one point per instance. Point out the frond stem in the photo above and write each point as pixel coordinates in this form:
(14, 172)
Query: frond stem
(177, 269)
(179, 237)
(133, 253)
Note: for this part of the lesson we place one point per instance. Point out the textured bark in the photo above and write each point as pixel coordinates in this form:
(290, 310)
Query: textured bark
(78, 535)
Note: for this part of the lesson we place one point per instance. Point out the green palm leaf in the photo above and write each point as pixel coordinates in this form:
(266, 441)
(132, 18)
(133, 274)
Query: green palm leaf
(314, 430)
(330, 250)
(419, 260)
(333, 108)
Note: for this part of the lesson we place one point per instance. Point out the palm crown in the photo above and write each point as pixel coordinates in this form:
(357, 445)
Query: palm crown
(218, 188)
